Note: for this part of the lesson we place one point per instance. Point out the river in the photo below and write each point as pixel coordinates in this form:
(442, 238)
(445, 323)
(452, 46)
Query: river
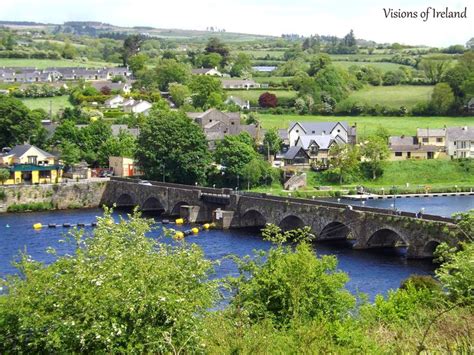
(370, 272)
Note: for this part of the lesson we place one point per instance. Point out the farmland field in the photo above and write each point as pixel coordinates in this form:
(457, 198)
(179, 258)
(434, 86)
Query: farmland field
(393, 96)
(383, 66)
(57, 103)
(368, 124)
(50, 63)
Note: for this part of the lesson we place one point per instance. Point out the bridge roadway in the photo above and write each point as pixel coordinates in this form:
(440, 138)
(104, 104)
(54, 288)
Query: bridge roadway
(366, 227)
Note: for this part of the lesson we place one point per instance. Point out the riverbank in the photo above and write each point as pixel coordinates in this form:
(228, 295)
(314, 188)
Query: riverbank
(27, 198)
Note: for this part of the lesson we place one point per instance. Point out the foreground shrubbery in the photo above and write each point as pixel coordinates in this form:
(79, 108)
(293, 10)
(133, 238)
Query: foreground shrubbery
(124, 292)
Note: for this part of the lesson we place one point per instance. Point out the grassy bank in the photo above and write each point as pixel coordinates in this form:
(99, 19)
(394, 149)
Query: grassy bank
(31, 207)
(368, 124)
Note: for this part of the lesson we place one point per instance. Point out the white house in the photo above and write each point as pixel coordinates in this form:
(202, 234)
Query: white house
(141, 106)
(114, 102)
(460, 142)
(332, 129)
(239, 84)
(206, 71)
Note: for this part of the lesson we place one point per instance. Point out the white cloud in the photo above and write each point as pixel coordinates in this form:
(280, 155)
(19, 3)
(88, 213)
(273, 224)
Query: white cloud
(274, 17)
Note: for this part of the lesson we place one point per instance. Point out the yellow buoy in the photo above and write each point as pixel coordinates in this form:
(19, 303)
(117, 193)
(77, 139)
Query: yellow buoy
(37, 226)
(179, 235)
(179, 221)
(195, 230)
(206, 226)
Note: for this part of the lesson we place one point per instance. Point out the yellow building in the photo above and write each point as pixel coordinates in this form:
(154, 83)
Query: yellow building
(123, 166)
(403, 148)
(431, 136)
(30, 165)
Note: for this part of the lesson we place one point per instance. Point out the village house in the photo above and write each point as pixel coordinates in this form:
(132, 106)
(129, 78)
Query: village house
(296, 156)
(333, 129)
(460, 142)
(402, 148)
(240, 84)
(243, 104)
(114, 102)
(317, 147)
(141, 106)
(122, 166)
(431, 136)
(30, 165)
(206, 71)
(124, 88)
(216, 124)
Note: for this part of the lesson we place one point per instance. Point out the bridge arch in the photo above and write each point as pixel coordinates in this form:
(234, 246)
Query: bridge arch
(177, 207)
(291, 222)
(430, 247)
(125, 200)
(386, 238)
(252, 218)
(335, 230)
(152, 204)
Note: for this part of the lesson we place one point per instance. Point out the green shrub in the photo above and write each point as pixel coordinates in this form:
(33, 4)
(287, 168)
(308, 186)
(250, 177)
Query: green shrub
(30, 207)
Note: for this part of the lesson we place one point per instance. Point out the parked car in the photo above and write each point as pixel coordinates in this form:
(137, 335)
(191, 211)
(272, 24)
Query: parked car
(144, 182)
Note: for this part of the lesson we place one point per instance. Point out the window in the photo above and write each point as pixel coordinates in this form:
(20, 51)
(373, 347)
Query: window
(297, 131)
(33, 159)
(439, 140)
(314, 132)
(338, 131)
(398, 154)
(425, 140)
(210, 121)
(232, 123)
(408, 155)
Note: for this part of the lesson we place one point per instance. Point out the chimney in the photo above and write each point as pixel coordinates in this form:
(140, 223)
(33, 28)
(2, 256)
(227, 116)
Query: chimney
(6, 149)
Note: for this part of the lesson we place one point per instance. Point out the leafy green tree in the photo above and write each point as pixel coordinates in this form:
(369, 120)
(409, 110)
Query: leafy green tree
(170, 71)
(172, 145)
(241, 66)
(344, 161)
(210, 60)
(207, 91)
(318, 62)
(214, 45)
(124, 145)
(179, 93)
(131, 46)
(17, 124)
(4, 175)
(234, 153)
(434, 68)
(442, 98)
(256, 171)
(376, 151)
(138, 62)
(69, 51)
(272, 141)
(70, 153)
(119, 291)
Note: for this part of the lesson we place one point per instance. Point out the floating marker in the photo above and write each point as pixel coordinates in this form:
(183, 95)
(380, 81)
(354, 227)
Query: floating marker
(165, 221)
(195, 230)
(7, 226)
(179, 235)
(51, 225)
(180, 221)
(206, 226)
(81, 225)
(37, 226)
(94, 224)
(66, 225)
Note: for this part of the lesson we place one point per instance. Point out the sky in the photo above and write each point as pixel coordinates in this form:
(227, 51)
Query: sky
(304, 17)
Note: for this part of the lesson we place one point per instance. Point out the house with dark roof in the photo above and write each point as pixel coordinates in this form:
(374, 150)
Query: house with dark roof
(243, 104)
(240, 84)
(296, 156)
(341, 128)
(318, 146)
(217, 124)
(122, 87)
(431, 136)
(30, 165)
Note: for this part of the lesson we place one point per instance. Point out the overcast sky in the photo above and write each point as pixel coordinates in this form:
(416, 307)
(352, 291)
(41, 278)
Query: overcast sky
(271, 17)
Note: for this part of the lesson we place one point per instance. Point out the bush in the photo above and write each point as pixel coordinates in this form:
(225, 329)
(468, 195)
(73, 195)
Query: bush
(267, 100)
(420, 282)
(30, 207)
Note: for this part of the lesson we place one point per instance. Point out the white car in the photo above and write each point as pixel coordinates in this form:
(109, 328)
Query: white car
(144, 182)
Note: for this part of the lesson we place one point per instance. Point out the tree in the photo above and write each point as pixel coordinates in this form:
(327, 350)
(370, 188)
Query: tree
(210, 60)
(179, 93)
(375, 150)
(272, 141)
(105, 90)
(268, 99)
(318, 62)
(138, 62)
(207, 91)
(214, 45)
(242, 65)
(173, 147)
(255, 171)
(442, 98)
(434, 68)
(69, 51)
(234, 153)
(131, 46)
(119, 289)
(124, 145)
(349, 40)
(70, 153)
(4, 175)
(344, 161)
(17, 125)
(170, 71)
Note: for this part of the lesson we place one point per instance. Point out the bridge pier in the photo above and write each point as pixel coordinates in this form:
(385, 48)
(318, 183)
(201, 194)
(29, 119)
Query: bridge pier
(222, 219)
(195, 214)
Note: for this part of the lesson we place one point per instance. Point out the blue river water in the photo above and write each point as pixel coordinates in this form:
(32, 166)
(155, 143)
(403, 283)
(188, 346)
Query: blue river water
(440, 206)
(370, 272)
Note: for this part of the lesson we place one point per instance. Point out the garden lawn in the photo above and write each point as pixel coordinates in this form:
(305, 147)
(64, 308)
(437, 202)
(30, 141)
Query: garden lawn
(57, 103)
(368, 124)
(393, 96)
(51, 63)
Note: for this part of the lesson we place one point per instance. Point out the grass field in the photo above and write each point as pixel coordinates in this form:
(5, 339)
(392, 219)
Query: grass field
(384, 67)
(393, 96)
(261, 54)
(48, 63)
(271, 79)
(253, 95)
(57, 103)
(368, 124)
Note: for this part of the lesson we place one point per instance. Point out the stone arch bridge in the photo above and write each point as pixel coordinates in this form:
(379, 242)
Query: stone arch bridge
(365, 227)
